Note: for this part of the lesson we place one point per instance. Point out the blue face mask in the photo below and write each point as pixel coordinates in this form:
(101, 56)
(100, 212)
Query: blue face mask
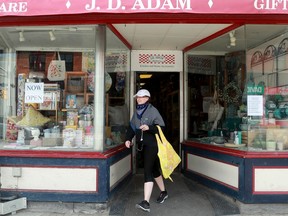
(140, 109)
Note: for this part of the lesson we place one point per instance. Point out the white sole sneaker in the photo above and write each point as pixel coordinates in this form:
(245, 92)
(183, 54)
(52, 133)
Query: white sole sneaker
(138, 206)
(163, 199)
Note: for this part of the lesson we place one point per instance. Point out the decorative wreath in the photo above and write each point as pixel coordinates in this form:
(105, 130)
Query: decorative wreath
(231, 93)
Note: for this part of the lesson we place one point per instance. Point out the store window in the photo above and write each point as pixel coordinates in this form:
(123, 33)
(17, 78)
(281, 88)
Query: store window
(6, 83)
(48, 87)
(117, 61)
(238, 97)
(267, 90)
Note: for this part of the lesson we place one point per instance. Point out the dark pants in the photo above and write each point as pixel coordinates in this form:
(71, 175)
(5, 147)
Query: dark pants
(151, 163)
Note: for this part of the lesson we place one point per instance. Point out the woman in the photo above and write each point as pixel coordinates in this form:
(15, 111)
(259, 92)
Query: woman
(143, 125)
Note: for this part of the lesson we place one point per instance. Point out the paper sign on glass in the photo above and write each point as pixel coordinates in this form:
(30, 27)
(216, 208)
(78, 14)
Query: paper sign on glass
(255, 105)
(34, 92)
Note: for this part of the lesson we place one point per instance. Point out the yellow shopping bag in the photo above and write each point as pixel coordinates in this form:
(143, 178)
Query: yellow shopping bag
(169, 159)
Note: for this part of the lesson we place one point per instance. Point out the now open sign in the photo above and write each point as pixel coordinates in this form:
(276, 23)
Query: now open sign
(34, 92)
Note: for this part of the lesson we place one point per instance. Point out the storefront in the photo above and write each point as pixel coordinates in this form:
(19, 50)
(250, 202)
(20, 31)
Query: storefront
(68, 76)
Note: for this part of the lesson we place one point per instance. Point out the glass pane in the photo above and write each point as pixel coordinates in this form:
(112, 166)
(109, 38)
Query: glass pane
(53, 93)
(268, 120)
(117, 90)
(251, 84)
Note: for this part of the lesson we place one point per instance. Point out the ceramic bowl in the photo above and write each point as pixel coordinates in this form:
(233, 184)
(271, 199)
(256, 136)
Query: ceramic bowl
(219, 140)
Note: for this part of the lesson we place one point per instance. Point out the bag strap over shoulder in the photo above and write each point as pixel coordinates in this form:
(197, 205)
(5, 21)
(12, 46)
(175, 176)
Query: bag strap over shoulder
(162, 136)
(158, 139)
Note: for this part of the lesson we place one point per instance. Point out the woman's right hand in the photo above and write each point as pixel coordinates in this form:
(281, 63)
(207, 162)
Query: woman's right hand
(128, 143)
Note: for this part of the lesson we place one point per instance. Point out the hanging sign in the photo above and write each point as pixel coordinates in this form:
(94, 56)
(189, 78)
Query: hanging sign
(152, 60)
(255, 90)
(47, 7)
(34, 93)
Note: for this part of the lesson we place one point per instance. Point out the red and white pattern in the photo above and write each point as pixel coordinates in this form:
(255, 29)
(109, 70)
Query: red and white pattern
(157, 59)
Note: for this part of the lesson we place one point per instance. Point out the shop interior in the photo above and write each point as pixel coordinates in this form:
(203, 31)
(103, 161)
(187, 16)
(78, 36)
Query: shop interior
(164, 89)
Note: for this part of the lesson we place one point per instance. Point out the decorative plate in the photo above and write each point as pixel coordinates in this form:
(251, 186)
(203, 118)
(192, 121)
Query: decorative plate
(108, 81)
(90, 82)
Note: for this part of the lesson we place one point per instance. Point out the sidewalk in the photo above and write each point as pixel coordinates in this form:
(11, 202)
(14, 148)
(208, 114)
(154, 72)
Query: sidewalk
(186, 197)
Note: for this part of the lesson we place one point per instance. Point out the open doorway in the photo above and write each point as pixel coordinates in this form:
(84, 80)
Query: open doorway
(164, 89)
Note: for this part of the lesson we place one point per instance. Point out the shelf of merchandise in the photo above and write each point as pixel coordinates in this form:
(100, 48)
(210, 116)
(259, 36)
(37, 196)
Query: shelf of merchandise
(83, 93)
(55, 99)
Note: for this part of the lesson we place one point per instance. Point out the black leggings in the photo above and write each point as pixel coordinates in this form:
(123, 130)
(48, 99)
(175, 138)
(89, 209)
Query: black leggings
(151, 163)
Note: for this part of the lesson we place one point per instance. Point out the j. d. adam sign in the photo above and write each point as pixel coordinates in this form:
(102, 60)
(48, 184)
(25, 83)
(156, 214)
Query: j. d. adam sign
(49, 7)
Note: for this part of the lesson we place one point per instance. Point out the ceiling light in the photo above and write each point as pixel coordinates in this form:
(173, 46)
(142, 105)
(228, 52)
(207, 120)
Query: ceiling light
(52, 36)
(232, 38)
(145, 76)
(21, 37)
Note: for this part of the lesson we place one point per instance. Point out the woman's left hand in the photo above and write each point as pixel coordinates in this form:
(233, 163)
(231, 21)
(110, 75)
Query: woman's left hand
(144, 127)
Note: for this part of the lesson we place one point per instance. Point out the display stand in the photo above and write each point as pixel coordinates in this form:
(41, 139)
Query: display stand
(50, 104)
(76, 84)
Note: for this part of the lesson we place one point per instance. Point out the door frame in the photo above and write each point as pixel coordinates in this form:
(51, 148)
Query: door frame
(182, 114)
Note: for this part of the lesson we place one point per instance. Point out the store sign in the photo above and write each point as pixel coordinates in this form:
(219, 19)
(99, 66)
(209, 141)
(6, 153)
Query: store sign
(152, 60)
(255, 90)
(34, 93)
(47, 7)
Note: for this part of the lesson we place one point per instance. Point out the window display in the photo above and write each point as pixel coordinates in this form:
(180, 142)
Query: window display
(253, 89)
(55, 89)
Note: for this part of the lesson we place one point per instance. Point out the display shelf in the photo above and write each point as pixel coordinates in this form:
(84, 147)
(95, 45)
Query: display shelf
(51, 102)
(76, 84)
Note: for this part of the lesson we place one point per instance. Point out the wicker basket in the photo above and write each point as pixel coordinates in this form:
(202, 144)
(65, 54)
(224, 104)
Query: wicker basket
(75, 85)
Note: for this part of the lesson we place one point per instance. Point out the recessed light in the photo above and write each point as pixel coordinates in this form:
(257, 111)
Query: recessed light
(145, 76)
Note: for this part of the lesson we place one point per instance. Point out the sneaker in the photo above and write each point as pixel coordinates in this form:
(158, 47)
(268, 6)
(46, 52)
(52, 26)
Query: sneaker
(144, 205)
(162, 197)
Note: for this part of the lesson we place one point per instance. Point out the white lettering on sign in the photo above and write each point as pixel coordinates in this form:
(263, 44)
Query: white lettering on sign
(270, 4)
(255, 89)
(144, 5)
(162, 5)
(19, 7)
(114, 5)
(13, 7)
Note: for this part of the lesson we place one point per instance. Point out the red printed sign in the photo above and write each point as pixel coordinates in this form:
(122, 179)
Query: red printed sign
(54, 7)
